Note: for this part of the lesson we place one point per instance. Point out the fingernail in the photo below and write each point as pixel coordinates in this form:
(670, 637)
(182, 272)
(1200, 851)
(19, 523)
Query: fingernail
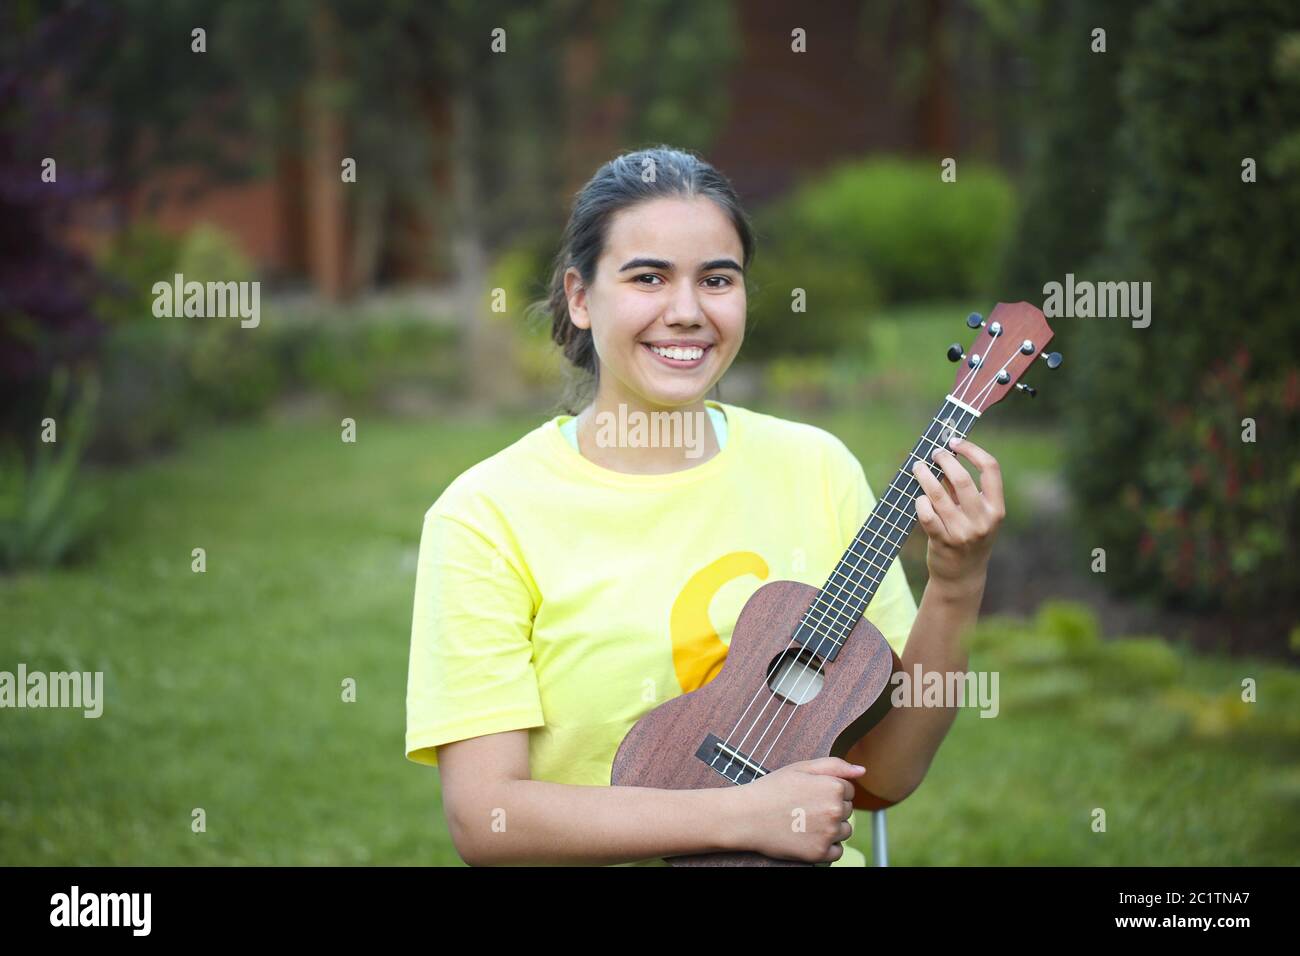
(858, 767)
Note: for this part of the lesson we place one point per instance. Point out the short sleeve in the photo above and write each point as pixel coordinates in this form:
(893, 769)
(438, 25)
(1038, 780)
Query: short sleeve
(471, 671)
(892, 609)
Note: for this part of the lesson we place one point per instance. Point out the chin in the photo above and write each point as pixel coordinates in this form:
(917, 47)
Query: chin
(671, 398)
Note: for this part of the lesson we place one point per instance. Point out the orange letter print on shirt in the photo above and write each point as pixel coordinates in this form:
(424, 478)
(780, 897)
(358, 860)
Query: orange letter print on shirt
(698, 651)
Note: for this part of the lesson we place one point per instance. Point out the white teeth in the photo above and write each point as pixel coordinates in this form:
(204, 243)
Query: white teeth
(681, 354)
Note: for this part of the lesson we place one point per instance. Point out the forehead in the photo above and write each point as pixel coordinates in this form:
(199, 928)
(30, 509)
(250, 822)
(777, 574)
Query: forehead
(677, 228)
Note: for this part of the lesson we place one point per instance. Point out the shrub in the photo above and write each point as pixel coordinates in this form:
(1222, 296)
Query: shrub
(45, 513)
(523, 272)
(144, 399)
(139, 256)
(357, 358)
(838, 293)
(230, 367)
(1186, 509)
(882, 230)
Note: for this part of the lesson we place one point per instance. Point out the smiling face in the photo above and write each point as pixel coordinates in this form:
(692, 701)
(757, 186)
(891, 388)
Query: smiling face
(666, 308)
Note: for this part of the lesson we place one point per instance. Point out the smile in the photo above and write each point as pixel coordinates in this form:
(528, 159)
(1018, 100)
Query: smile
(678, 356)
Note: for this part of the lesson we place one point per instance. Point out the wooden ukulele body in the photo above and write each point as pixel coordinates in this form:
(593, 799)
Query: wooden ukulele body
(663, 749)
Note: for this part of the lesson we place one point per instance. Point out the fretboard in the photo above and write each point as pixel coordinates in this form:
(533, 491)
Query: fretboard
(842, 600)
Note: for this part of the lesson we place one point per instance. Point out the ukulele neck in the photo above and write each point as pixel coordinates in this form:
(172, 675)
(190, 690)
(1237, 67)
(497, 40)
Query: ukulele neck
(835, 610)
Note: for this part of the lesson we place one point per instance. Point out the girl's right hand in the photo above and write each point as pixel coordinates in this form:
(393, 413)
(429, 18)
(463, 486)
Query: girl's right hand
(799, 812)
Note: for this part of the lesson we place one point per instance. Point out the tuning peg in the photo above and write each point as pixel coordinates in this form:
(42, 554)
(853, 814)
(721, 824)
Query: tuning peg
(955, 352)
(1027, 389)
(1053, 359)
(974, 320)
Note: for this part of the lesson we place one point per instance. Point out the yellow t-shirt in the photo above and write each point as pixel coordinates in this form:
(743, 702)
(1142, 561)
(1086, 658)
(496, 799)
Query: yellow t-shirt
(551, 592)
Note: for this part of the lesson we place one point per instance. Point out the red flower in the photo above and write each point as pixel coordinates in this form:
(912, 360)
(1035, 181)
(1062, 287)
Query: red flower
(1291, 391)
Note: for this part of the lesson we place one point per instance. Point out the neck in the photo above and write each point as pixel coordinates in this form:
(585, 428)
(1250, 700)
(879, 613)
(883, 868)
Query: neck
(636, 437)
(839, 604)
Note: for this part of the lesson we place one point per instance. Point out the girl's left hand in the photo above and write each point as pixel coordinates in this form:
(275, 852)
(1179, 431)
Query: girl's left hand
(960, 518)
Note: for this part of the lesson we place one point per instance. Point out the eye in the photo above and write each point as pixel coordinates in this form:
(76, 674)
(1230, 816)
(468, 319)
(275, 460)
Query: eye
(725, 279)
(647, 275)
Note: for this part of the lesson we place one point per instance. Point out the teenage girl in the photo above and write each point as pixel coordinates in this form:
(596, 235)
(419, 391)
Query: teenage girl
(582, 576)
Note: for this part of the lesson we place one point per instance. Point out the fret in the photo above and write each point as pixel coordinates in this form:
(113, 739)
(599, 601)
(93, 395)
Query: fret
(840, 603)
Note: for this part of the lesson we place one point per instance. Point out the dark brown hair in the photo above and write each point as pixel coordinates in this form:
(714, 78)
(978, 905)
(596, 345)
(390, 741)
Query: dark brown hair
(620, 184)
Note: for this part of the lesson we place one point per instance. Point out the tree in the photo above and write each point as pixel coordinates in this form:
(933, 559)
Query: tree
(1160, 454)
(46, 288)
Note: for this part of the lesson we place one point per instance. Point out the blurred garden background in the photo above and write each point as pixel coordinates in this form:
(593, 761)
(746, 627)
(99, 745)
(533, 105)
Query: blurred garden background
(1109, 140)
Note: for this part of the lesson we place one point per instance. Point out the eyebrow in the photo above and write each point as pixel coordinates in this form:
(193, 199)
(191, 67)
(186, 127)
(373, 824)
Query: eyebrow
(644, 262)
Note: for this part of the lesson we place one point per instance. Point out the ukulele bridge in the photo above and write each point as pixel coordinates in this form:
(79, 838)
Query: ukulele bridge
(732, 762)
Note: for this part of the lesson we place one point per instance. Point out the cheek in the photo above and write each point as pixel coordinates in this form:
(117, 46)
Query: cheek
(628, 318)
(618, 328)
(730, 317)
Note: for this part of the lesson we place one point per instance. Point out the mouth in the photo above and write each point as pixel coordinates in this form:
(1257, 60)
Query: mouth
(679, 356)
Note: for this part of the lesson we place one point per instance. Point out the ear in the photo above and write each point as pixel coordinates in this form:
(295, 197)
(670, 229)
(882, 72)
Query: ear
(576, 293)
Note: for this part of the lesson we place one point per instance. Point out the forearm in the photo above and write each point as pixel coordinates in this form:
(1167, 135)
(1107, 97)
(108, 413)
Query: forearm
(535, 822)
(898, 751)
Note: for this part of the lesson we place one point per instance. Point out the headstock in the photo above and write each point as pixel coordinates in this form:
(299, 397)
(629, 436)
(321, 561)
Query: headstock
(1010, 341)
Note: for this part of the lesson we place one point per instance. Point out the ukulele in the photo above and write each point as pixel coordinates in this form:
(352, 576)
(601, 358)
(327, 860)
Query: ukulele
(806, 675)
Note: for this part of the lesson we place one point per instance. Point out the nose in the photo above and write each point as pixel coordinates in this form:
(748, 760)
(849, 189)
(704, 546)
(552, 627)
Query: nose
(684, 307)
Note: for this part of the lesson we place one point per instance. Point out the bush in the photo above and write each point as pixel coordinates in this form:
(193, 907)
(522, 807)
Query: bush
(44, 511)
(231, 371)
(139, 256)
(838, 293)
(358, 358)
(144, 398)
(161, 374)
(883, 230)
(1185, 508)
(523, 272)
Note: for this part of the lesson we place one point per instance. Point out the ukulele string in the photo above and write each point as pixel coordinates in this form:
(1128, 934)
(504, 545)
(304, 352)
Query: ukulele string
(962, 388)
(853, 623)
(813, 625)
(950, 429)
(837, 631)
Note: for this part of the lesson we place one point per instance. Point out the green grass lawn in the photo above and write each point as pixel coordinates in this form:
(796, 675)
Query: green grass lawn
(223, 689)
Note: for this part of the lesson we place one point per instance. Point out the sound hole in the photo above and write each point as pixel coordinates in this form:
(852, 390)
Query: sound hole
(796, 675)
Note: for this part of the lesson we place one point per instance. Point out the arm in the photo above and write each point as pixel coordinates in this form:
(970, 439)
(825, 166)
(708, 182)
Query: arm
(961, 520)
(499, 816)
(898, 751)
